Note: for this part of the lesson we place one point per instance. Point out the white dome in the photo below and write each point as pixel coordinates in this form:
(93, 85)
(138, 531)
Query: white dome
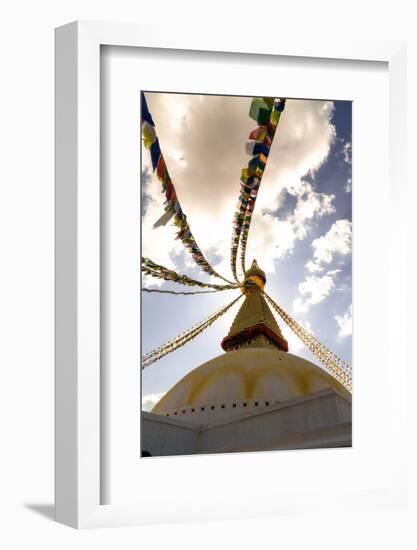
(238, 381)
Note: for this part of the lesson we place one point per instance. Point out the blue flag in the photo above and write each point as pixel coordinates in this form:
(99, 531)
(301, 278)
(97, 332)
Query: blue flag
(155, 153)
(146, 115)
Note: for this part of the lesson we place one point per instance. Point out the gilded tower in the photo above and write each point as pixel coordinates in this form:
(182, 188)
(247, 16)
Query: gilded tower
(254, 325)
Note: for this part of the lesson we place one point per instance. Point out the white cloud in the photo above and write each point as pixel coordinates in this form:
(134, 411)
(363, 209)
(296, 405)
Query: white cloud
(347, 153)
(338, 240)
(203, 139)
(348, 185)
(309, 205)
(345, 323)
(313, 267)
(313, 290)
(333, 272)
(150, 400)
(275, 238)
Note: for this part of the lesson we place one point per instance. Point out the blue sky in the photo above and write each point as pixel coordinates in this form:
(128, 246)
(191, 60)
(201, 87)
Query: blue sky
(300, 234)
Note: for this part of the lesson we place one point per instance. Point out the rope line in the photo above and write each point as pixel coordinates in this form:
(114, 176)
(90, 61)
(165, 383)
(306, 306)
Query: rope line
(271, 130)
(173, 210)
(184, 337)
(335, 366)
(149, 267)
(144, 289)
(266, 112)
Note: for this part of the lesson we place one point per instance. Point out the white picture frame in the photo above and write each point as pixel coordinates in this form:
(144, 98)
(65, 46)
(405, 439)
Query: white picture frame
(78, 404)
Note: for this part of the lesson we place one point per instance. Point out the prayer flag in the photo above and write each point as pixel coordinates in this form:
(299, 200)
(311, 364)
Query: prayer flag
(164, 219)
(258, 134)
(146, 115)
(148, 134)
(275, 117)
(155, 151)
(259, 111)
(255, 148)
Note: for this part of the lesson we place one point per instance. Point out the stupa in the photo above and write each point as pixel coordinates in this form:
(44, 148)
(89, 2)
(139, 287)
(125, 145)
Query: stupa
(255, 396)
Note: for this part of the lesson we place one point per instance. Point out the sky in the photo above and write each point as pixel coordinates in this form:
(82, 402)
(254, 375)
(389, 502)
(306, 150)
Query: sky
(301, 231)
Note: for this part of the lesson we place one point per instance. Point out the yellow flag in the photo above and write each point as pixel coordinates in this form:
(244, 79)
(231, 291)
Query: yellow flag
(148, 134)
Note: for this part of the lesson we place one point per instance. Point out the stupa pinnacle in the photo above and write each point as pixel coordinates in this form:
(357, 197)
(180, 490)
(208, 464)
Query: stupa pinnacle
(254, 325)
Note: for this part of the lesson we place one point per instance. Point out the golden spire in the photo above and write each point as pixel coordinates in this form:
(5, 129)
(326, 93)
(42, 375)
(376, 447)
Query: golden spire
(254, 324)
(254, 275)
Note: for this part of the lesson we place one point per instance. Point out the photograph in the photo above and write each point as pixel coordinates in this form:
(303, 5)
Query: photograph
(246, 273)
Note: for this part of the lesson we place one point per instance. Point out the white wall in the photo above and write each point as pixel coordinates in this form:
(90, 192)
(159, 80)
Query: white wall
(26, 233)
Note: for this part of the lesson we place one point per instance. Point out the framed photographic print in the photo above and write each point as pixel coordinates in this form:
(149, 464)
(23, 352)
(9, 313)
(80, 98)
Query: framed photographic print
(256, 395)
(220, 225)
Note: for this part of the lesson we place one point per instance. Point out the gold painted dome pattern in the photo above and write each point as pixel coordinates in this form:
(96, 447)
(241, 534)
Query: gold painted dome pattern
(239, 380)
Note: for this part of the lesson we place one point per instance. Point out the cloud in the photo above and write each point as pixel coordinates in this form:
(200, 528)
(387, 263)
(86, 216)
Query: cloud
(333, 272)
(348, 185)
(275, 238)
(345, 323)
(150, 400)
(309, 205)
(203, 140)
(313, 290)
(313, 267)
(347, 153)
(344, 153)
(338, 240)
